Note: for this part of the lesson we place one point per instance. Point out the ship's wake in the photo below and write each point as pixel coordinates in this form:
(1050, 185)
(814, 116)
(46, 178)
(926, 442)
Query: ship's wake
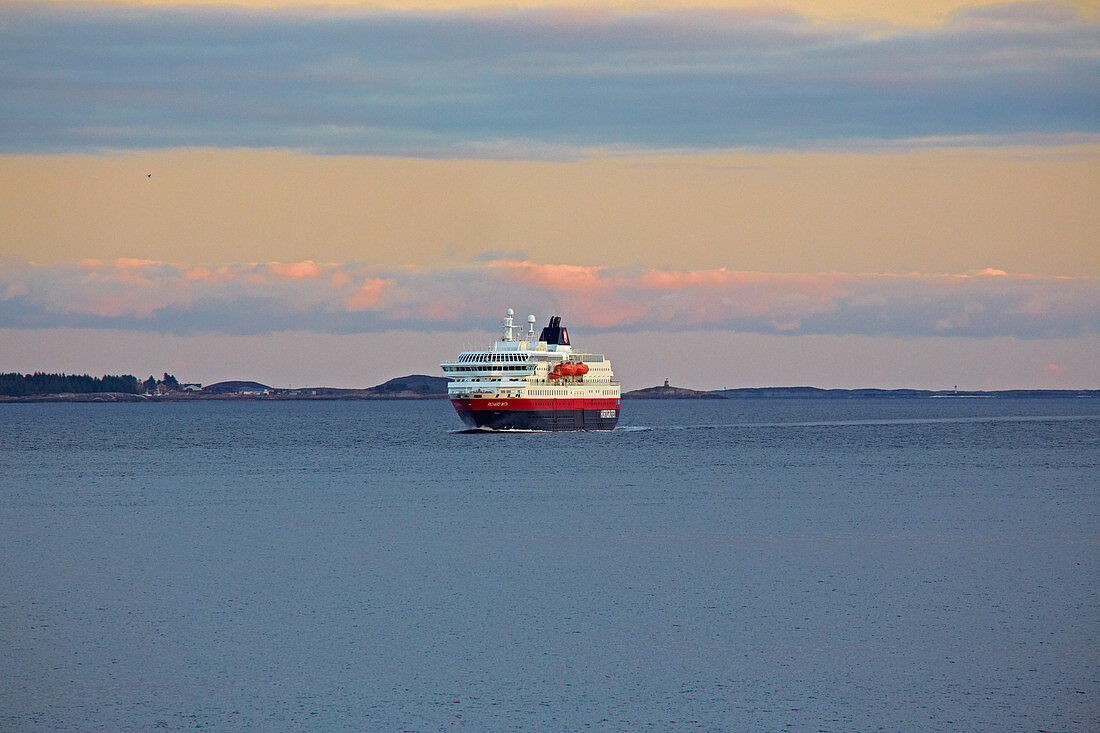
(491, 431)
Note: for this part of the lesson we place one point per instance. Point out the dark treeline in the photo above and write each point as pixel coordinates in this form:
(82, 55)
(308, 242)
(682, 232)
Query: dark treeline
(19, 385)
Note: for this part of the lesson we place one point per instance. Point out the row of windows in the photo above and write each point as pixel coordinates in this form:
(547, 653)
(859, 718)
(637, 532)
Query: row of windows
(522, 356)
(483, 368)
(494, 357)
(562, 392)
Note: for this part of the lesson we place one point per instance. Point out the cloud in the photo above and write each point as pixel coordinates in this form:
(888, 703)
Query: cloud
(368, 295)
(295, 270)
(132, 263)
(250, 298)
(533, 82)
(566, 278)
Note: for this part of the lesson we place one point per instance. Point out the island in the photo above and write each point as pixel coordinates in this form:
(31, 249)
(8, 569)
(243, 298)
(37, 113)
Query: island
(668, 392)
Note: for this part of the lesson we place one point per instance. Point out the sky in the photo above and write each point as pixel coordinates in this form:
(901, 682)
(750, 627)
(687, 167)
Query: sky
(837, 193)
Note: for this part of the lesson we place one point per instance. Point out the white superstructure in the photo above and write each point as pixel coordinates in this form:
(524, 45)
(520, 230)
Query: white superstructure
(521, 367)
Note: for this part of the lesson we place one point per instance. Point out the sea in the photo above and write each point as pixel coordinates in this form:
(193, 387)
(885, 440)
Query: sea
(712, 565)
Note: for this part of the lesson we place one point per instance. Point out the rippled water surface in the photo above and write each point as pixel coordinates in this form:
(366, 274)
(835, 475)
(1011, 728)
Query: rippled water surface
(716, 565)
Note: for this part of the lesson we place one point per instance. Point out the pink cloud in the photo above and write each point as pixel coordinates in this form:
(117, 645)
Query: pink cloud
(590, 296)
(133, 262)
(295, 270)
(441, 310)
(607, 313)
(368, 295)
(714, 296)
(555, 277)
(678, 280)
(113, 306)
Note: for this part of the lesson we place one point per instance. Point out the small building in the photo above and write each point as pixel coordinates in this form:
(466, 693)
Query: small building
(191, 387)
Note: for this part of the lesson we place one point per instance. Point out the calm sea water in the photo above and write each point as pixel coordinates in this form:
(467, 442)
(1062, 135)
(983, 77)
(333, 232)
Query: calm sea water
(742, 565)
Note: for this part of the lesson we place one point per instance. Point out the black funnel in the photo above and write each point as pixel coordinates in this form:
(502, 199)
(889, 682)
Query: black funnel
(554, 333)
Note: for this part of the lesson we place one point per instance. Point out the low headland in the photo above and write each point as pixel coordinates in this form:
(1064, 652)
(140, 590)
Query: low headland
(64, 388)
(41, 387)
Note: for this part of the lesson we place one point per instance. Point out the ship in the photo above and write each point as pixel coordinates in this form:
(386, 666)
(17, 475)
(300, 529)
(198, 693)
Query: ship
(526, 383)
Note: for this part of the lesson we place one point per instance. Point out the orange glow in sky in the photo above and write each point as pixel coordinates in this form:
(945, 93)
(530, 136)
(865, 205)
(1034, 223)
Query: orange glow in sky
(908, 184)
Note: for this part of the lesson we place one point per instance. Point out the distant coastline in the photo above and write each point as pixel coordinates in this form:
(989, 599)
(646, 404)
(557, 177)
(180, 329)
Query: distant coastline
(411, 387)
(424, 387)
(674, 393)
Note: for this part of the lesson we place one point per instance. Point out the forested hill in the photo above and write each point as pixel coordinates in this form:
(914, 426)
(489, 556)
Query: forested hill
(13, 384)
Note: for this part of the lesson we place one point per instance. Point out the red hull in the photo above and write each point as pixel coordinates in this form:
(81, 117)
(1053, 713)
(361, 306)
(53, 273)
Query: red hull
(557, 414)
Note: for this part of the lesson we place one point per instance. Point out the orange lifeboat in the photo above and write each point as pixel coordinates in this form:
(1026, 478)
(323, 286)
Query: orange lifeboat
(555, 373)
(580, 369)
(568, 369)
